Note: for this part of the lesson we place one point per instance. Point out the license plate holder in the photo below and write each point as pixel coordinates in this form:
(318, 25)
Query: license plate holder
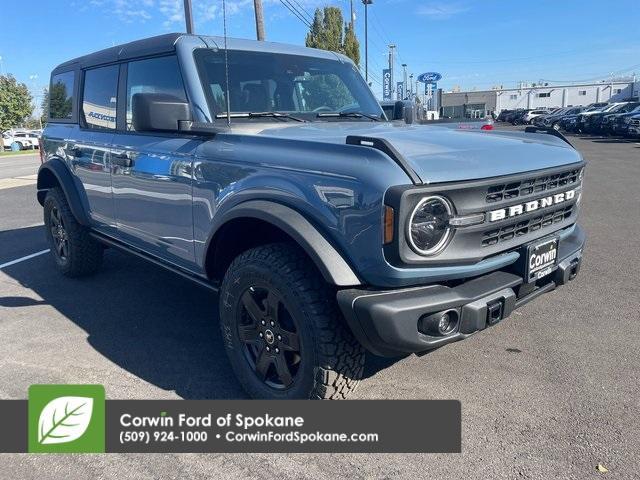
(541, 258)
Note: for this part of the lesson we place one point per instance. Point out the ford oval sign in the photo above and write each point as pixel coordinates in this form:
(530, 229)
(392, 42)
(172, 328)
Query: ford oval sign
(429, 77)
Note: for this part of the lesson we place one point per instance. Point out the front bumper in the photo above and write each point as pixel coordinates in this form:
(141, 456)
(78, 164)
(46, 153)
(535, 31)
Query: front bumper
(387, 322)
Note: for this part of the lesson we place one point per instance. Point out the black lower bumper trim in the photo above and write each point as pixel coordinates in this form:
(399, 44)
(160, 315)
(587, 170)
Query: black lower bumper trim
(388, 323)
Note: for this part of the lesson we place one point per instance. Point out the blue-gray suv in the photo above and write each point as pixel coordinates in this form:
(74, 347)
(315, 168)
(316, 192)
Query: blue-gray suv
(270, 174)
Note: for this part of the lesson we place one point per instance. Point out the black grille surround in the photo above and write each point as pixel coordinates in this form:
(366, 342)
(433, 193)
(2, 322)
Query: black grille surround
(472, 244)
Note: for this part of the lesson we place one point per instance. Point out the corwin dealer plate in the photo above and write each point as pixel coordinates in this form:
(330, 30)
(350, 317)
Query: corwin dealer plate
(541, 259)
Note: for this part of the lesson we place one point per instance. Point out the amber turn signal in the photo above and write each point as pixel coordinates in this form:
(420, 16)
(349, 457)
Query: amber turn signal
(388, 224)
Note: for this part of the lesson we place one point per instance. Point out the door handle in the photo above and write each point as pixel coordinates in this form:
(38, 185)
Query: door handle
(122, 160)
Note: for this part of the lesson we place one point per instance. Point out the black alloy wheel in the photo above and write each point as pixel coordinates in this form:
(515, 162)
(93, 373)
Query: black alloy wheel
(59, 234)
(270, 337)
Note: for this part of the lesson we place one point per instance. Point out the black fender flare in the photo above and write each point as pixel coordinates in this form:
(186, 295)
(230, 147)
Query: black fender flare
(328, 260)
(64, 178)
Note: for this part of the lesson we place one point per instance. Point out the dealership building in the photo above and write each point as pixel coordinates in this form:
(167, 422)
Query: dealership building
(480, 103)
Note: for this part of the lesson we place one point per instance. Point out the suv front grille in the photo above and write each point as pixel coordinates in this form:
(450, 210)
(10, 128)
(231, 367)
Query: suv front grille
(520, 229)
(531, 186)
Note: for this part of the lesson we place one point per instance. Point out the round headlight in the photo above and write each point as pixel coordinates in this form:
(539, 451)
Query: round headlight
(428, 229)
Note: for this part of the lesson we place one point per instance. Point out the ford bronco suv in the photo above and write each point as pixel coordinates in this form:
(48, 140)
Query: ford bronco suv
(270, 174)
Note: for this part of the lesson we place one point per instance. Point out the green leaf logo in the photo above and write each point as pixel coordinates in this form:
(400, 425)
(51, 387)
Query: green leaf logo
(64, 419)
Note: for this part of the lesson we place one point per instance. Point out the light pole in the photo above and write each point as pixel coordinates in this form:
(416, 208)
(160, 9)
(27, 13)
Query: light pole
(410, 86)
(366, 39)
(404, 79)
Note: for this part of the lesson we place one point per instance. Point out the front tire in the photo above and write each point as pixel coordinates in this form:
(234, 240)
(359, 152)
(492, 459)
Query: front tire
(74, 251)
(282, 329)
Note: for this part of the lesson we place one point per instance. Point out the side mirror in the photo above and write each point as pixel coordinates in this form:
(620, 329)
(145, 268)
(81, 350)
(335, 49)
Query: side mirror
(158, 112)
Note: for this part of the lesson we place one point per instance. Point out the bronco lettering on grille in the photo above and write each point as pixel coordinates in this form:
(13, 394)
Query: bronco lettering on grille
(515, 210)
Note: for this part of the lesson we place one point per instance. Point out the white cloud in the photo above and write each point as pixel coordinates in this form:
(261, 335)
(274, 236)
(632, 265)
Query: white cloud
(441, 10)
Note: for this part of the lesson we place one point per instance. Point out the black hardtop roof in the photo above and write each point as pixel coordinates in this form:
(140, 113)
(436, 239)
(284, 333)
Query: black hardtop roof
(138, 48)
(163, 44)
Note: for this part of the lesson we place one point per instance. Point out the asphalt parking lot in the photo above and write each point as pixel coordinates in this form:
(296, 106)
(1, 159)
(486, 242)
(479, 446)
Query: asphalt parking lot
(548, 393)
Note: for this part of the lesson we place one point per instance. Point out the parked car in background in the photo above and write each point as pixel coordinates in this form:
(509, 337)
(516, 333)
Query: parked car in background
(584, 118)
(517, 118)
(612, 124)
(595, 122)
(530, 115)
(29, 139)
(503, 115)
(633, 128)
(553, 120)
(21, 142)
(509, 117)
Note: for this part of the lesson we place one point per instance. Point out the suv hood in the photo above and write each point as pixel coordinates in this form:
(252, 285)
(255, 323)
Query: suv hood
(440, 153)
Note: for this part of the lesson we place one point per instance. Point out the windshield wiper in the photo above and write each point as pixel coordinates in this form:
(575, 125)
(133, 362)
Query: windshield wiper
(278, 115)
(349, 114)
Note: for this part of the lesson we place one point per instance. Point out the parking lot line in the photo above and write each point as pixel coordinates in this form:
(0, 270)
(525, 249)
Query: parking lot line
(22, 259)
(16, 182)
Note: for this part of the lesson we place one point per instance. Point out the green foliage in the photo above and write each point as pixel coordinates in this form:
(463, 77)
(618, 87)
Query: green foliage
(329, 32)
(351, 44)
(15, 102)
(60, 102)
(326, 91)
(44, 106)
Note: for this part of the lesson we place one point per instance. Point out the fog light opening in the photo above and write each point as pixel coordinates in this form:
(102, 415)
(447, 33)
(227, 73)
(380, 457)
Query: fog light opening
(439, 324)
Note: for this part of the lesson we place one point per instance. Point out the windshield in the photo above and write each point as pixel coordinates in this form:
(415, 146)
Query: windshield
(300, 86)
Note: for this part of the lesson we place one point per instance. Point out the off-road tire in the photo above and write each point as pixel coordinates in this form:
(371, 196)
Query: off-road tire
(332, 360)
(84, 254)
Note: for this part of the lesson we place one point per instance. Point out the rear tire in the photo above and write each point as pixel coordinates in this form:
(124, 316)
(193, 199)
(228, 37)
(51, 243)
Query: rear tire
(282, 328)
(74, 251)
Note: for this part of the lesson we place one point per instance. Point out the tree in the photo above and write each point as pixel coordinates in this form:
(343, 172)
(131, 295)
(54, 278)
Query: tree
(44, 106)
(329, 32)
(351, 44)
(59, 101)
(15, 102)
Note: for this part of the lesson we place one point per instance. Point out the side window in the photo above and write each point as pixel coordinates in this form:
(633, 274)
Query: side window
(61, 96)
(155, 75)
(99, 98)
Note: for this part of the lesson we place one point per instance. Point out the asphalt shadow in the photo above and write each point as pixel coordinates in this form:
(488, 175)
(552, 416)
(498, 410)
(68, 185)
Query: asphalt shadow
(150, 322)
(154, 324)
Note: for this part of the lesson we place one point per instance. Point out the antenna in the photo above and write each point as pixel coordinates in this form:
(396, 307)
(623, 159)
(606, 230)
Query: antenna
(226, 61)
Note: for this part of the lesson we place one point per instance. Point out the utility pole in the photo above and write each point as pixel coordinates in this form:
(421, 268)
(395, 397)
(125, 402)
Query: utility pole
(366, 39)
(257, 5)
(188, 16)
(391, 55)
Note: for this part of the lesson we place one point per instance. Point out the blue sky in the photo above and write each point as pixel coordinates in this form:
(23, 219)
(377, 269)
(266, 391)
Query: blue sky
(472, 43)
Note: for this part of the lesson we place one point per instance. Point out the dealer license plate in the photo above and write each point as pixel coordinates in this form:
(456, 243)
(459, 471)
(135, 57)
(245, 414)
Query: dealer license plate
(541, 259)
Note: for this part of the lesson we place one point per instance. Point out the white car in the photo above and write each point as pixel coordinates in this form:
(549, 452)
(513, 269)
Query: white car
(28, 139)
(527, 117)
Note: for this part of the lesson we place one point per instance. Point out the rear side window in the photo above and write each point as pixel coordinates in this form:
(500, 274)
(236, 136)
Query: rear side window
(61, 96)
(155, 75)
(99, 98)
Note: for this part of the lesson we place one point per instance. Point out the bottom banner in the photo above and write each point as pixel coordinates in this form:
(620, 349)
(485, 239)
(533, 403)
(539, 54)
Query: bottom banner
(66, 418)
